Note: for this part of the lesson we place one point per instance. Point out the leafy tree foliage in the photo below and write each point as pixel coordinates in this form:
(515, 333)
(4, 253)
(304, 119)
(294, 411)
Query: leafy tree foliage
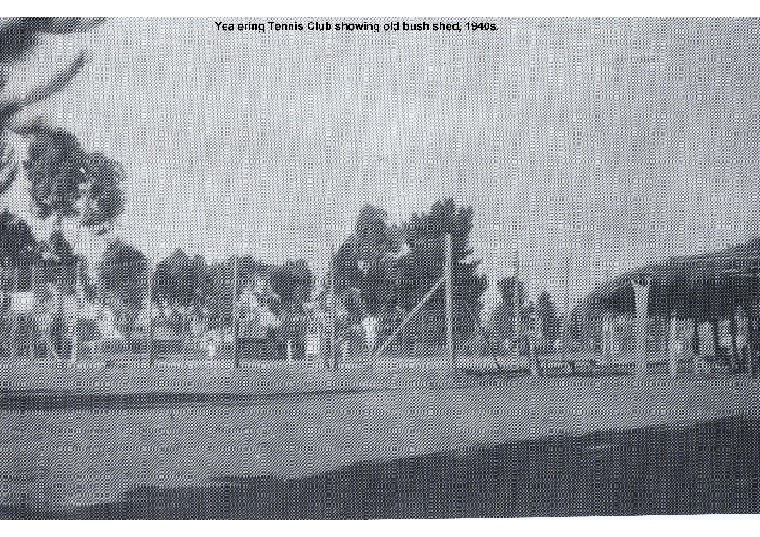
(292, 282)
(123, 282)
(422, 266)
(18, 38)
(18, 245)
(65, 180)
(68, 182)
(547, 314)
(180, 282)
(365, 265)
(501, 325)
(123, 275)
(384, 270)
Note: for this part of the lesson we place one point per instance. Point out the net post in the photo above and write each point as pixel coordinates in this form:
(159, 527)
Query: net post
(516, 308)
(566, 320)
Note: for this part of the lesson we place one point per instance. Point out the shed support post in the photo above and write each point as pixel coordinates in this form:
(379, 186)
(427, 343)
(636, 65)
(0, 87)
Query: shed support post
(641, 298)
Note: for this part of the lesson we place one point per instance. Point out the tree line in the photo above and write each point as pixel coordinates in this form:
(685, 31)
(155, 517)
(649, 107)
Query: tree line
(380, 271)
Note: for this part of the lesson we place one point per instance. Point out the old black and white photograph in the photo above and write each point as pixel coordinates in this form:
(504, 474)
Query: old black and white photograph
(379, 268)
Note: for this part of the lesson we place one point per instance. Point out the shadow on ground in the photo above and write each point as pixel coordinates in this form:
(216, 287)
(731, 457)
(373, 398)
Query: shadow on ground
(706, 468)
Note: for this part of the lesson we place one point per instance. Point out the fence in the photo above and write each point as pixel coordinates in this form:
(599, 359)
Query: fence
(228, 312)
(135, 312)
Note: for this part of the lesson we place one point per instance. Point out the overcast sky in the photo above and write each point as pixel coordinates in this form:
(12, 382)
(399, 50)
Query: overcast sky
(612, 142)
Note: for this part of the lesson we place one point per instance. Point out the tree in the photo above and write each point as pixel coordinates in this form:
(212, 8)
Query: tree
(290, 286)
(501, 325)
(547, 316)
(123, 282)
(292, 282)
(19, 249)
(508, 287)
(66, 182)
(364, 265)
(55, 186)
(180, 282)
(18, 37)
(18, 246)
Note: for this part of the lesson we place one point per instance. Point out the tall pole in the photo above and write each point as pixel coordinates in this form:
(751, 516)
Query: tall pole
(32, 345)
(333, 313)
(448, 271)
(75, 331)
(235, 311)
(151, 349)
(566, 324)
(14, 316)
(516, 306)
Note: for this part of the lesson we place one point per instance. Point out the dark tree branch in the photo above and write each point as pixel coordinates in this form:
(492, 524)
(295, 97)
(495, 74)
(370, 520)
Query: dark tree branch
(61, 79)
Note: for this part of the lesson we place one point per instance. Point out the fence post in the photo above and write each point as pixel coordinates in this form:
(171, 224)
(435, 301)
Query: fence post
(14, 316)
(641, 304)
(235, 311)
(34, 322)
(333, 315)
(567, 317)
(448, 270)
(517, 324)
(75, 331)
(672, 334)
(151, 350)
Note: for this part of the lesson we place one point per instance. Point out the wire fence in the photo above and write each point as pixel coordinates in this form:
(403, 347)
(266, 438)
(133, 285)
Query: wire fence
(133, 312)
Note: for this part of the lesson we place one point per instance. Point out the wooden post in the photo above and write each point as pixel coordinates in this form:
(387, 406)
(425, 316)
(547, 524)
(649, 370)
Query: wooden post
(34, 322)
(75, 331)
(235, 311)
(715, 332)
(696, 348)
(641, 305)
(333, 314)
(566, 323)
(151, 347)
(516, 308)
(734, 348)
(448, 271)
(672, 354)
(60, 341)
(14, 318)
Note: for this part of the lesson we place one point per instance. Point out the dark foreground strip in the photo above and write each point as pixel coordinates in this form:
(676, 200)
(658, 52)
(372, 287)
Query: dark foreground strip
(710, 467)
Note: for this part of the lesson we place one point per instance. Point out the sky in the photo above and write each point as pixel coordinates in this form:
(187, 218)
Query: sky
(586, 146)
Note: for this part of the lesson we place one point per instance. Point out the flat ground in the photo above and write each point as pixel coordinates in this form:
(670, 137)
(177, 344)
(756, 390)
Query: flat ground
(207, 441)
